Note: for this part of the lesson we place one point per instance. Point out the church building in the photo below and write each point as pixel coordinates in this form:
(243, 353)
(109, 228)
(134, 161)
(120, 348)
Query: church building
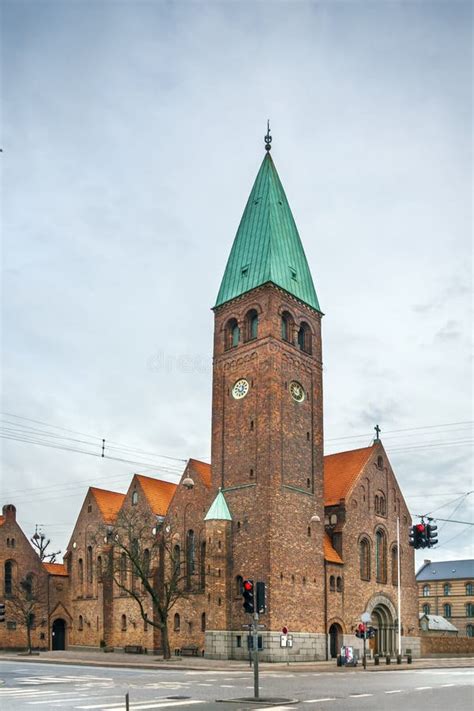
(319, 531)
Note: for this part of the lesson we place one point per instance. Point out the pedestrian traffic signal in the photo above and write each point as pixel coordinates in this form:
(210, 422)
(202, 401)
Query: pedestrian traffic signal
(2, 612)
(248, 595)
(418, 537)
(431, 535)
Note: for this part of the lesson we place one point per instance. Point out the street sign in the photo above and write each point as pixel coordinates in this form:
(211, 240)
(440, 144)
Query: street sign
(283, 640)
(284, 630)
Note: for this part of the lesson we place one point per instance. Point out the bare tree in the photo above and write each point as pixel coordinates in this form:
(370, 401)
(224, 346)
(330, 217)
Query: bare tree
(147, 564)
(41, 543)
(26, 605)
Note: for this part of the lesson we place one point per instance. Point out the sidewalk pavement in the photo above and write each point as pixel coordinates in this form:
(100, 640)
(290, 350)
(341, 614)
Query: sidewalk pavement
(144, 661)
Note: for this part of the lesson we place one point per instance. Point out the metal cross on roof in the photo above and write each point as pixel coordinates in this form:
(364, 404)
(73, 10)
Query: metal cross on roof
(377, 432)
(268, 138)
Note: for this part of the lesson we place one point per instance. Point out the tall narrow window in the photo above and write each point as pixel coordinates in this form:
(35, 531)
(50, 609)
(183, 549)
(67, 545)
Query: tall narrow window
(89, 564)
(447, 609)
(8, 577)
(470, 609)
(251, 325)
(177, 561)
(426, 590)
(287, 327)
(364, 559)
(469, 589)
(99, 568)
(394, 565)
(80, 625)
(426, 609)
(470, 630)
(80, 570)
(339, 583)
(203, 622)
(190, 556)
(447, 589)
(124, 623)
(332, 583)
(176, 622)
(123, 569)
(239, 582)
(27, 585)
(304, 338)
(381, 556)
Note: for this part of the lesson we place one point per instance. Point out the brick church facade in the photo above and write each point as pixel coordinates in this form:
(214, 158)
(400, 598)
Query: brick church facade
(319, 531)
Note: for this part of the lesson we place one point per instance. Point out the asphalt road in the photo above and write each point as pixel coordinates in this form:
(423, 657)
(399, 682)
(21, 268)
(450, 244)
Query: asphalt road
(45, 686)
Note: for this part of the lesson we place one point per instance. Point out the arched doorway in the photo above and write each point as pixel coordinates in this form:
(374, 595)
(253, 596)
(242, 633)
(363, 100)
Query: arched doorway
(382, 620)
(335, 639)
(58, 634)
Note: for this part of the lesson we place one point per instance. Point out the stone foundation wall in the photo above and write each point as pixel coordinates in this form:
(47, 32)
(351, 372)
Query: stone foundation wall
(440, 646)
(233, 645)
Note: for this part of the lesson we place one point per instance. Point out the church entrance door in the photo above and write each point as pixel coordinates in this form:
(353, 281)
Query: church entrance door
(335, 640)
(385, 641)
(59, 634)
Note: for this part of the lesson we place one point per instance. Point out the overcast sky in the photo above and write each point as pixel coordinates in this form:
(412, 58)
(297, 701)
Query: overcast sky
(132, 133)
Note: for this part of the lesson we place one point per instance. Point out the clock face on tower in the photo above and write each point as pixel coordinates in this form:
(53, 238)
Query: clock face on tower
(297, 391)
(240, 389)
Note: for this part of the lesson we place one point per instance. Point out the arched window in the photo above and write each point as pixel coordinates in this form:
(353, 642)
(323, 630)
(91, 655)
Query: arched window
(376, 504)
(446, 589)
(364, 559)
(339, 583)
(332, 583)
(469, 589)
(80, 625)
(123, 569)
(124, 623)
(287, 326)
(447, 609)
(251, 325)
(176, 622)
(426, 609)
(190, 556)
(8, 579)
(470, 609)
(28, 586)
(470, 630)
(426, 590)
(203, 622)
(381, 556)
(202, 575)
(80, 570)
(135, 498)
(232, 334)
(304, 338)
(383, 510)
(380, 462)
(394, 565)
(239, 582)
(99, 568)
(89, 564)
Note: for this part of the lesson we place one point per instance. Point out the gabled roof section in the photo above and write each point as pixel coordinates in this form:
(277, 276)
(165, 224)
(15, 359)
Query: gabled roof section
(219, 510)
(446, 570)
(437, 622)
(267, 246)
(158, 493)
(203, 469)
(340, 472)
(108, 502)
(55, 569)
(330, 554)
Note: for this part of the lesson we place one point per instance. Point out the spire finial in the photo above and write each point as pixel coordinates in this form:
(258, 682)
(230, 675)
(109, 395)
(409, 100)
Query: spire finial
(377, 434)
(268, 138)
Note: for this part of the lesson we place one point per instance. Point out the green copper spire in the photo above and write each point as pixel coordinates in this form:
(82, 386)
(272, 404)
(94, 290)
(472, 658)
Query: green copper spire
(267, 246)
(219, 510)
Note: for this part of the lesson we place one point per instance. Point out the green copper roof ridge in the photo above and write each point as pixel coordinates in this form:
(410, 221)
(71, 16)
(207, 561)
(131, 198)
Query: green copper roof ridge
(267, 246)
(218, 511)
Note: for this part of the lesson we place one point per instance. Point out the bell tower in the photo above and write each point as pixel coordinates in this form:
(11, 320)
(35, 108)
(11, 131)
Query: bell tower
(267, 422)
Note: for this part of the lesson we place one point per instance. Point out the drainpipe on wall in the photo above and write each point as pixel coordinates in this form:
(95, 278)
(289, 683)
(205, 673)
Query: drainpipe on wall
(326, 611)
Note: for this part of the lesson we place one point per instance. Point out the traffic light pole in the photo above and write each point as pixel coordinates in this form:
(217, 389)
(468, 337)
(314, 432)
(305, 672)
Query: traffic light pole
(364, 659)
(255, 656)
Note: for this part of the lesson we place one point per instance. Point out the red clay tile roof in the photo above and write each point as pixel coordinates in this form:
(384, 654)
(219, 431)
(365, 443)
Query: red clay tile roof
(109, 503)
(341, 471)
(331, 555)
(2, 520)
(159, 493)
(55, 568)
(203, 469)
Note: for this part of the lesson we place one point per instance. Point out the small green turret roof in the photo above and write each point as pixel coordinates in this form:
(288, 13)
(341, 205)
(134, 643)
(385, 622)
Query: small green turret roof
(267, 246)
(219, 510)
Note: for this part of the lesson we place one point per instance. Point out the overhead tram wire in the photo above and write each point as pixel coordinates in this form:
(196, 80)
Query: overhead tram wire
(407, 429)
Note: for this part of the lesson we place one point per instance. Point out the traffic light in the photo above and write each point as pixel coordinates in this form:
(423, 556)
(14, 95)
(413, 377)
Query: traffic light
(248, 595)
(2, 612)
(360, 631)
(418, 537)
(431, 535)
(261, 588)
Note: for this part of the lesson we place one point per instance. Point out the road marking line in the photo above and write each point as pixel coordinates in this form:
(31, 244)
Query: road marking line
(448, 684)
(142, 706)
(316, 701)
(422, 688)
(279, 708)
(358, 696)
(394, 691)
(205, 684)
(227, 686)
(59, 701)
